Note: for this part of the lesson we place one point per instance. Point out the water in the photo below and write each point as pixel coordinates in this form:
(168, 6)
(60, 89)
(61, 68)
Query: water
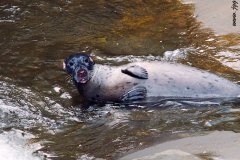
(37, 99)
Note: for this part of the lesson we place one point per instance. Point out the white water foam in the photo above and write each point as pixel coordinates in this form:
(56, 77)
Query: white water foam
(23, 107)
(167, 56)
(14, 146)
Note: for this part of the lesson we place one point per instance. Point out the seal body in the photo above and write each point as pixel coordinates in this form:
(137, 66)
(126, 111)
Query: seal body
(144, 80)
(165, 80)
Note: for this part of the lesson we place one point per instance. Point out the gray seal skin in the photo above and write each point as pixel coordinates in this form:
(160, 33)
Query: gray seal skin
(143, 80)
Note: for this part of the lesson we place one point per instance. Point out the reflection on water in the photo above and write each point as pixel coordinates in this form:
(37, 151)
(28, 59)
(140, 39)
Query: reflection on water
(37, 97)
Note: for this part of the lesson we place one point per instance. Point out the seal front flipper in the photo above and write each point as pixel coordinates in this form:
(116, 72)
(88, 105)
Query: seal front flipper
(136, 72)
(136, 93)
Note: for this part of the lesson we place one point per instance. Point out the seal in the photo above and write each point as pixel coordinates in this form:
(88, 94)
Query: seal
(143, 80)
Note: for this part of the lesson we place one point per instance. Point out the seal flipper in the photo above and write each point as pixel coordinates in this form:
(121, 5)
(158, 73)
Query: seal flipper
(136, 93)
(136, 72)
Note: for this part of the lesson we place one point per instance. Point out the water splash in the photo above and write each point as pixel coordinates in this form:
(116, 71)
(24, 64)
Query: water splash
(15, 145)
(167, 56)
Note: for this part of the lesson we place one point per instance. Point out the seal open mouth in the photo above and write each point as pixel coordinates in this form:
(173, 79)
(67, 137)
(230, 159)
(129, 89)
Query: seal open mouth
(81, 75)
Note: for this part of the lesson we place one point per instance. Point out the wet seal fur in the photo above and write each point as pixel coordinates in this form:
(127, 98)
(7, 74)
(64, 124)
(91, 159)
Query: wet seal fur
(143, 80)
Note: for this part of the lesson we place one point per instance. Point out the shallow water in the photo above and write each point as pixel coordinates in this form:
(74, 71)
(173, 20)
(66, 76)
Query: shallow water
(36, 96)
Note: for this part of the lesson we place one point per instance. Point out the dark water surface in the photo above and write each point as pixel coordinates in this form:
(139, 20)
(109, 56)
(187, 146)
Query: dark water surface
(37, 97)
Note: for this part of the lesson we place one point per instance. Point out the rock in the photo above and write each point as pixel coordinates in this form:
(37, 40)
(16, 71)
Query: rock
(169, 155)
(217, 15)
(216, 145)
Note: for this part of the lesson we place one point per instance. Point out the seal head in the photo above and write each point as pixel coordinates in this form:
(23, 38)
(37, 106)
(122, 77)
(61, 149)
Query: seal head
(79, 66)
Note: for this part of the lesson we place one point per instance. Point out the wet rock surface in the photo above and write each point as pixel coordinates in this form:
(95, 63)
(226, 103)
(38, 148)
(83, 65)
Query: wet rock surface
(218, 144)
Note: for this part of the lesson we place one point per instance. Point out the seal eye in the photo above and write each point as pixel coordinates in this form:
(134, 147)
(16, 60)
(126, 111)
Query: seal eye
(71, 63)
(86, 60)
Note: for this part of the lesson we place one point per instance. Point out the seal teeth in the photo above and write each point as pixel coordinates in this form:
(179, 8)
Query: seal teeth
(83, 81)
